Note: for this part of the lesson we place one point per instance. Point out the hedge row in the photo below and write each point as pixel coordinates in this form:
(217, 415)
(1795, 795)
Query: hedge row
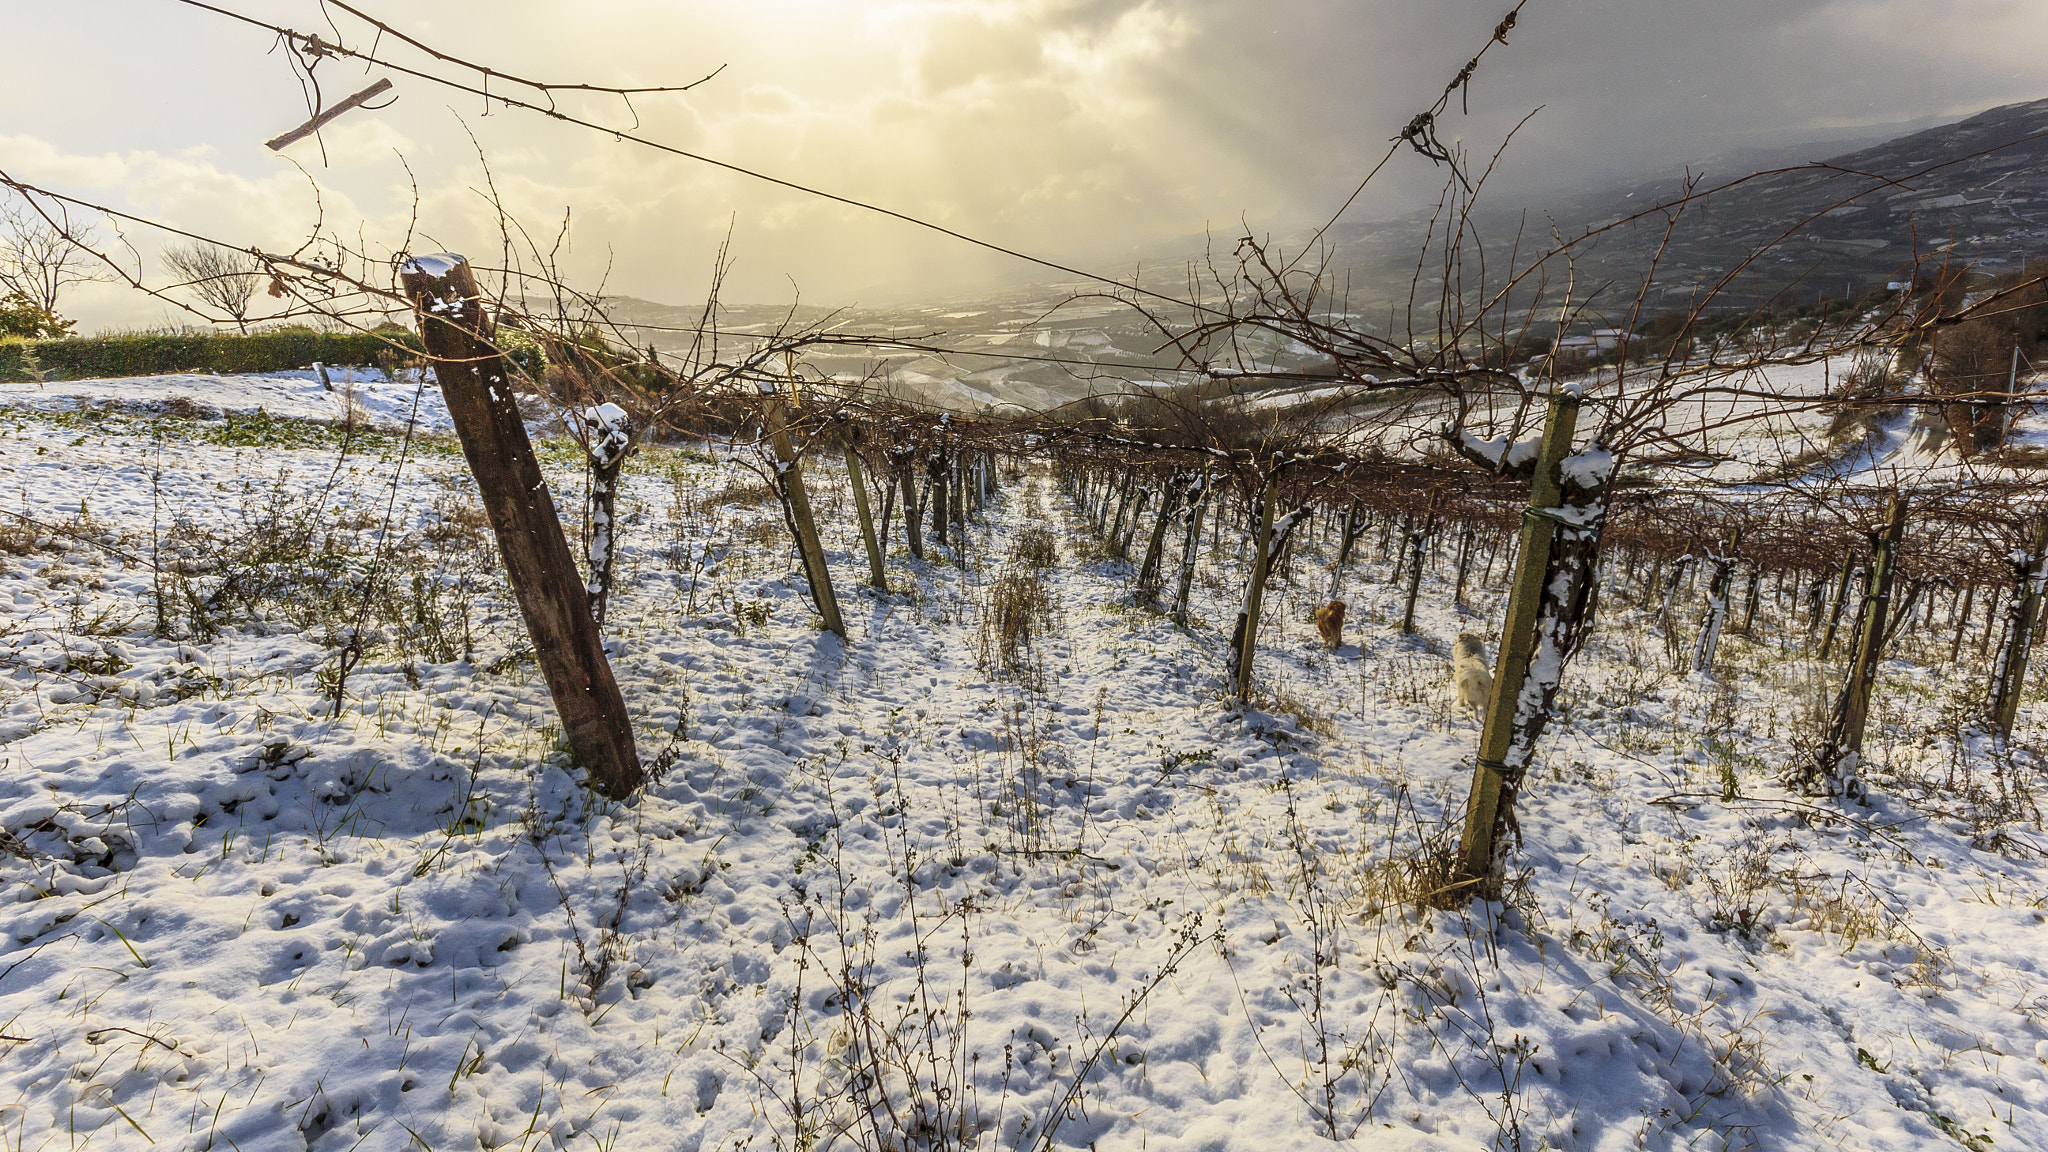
(218, 352)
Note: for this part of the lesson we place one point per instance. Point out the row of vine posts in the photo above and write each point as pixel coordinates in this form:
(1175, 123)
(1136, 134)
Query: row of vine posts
(1553, 585)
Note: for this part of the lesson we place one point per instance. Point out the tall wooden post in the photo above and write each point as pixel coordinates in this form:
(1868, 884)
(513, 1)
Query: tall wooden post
(959, 480)
(1955, 647)
(2009, 674)
(1418, 539)
(1255, 590)
(1155, 547)
(1756, 574)
(456, 331)
(1827, 639)
(1191, 543)
(936, 483)
(1115, 529)
(913, 515)
(1718, 590)
(1123, 542)
(790, 473)
(1485, 812)
(1466, 546)
(1870, 637)
(877, 575)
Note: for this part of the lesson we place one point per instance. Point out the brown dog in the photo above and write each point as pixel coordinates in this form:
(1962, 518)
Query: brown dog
(1330, 622)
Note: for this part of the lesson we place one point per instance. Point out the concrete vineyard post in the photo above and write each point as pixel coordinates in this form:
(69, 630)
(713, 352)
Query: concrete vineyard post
(539, 566)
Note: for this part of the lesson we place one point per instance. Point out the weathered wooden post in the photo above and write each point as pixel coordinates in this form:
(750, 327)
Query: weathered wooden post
(1718, 589)
(2009, 671)
(1155, 547)
(877, 575)
(1115, 530)
(913, 514)
(1123, 542)
(1466, 545)
(1347, 538)
(936, 476)
(1191, 545)
(1539, 632)
(959, 477)
(1756, 573)
(796, 503)
(1247, 634)
(797, 507)
(607, 439)
(1838, 760)
(1884, 567)
(1827, 639)
(1418, 539)
(888, 508)
(1955, 647)
(456, 330)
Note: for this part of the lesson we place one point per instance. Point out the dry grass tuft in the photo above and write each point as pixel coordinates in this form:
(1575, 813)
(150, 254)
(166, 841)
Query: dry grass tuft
(747, 492)
(1018, 615)
(1035, 548)
(1306, 716)
(17, 538)
(1423, 878)
(456, 521)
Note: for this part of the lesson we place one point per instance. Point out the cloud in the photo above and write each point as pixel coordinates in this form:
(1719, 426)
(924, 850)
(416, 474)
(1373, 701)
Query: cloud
(30, 157)
(1092, 131)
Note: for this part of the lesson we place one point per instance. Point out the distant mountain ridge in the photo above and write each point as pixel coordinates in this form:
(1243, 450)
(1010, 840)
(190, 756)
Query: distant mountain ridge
(1973, 191)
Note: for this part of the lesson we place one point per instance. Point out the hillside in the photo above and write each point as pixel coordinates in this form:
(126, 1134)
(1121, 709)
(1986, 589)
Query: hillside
(907, 891)
(1927, 192)
(1041, 345)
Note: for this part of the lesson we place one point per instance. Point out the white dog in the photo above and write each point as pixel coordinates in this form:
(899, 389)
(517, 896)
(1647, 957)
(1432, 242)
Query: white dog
(1469, 672)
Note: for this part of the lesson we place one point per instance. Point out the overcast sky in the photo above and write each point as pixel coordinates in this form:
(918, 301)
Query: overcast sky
(1096, 131)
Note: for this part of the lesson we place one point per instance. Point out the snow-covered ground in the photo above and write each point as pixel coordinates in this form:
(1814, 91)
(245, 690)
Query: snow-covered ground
(1770, 426)
(892, 893)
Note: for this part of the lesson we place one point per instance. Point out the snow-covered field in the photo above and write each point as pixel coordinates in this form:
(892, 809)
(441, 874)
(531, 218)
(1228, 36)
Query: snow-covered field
(893, 893)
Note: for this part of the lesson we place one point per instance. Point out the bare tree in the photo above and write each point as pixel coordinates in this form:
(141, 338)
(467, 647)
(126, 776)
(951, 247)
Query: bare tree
(39, 259)
(220, 277)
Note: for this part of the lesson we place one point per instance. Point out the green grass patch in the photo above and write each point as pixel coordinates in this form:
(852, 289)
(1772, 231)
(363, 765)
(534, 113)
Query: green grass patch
(165, 354)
